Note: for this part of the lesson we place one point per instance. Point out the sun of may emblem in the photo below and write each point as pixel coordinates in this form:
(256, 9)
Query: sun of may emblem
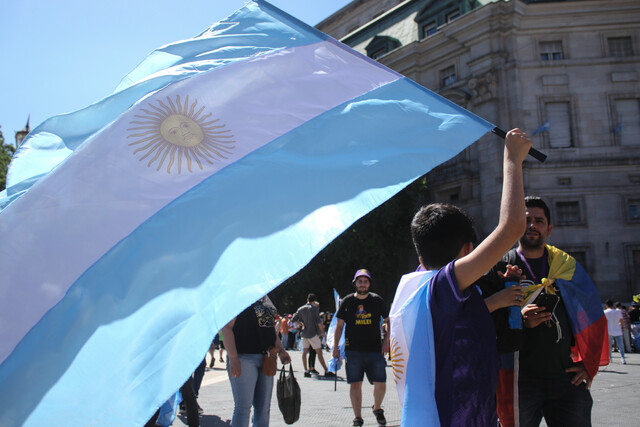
(397, 361)
(175, 134)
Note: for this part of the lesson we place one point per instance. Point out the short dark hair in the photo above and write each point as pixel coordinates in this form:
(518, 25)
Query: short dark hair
(609, 303)
(312, 297)
(439, 232)
(537, 202)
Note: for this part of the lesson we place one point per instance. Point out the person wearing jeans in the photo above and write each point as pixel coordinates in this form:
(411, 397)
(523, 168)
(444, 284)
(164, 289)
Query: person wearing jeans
(614, 323)
(252, 388)
(247, 338)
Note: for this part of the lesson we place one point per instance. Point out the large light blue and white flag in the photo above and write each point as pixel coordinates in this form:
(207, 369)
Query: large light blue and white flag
(134, 229)
(412, 349)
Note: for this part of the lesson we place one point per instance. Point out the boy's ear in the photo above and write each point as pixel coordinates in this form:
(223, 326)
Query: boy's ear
(422, 263)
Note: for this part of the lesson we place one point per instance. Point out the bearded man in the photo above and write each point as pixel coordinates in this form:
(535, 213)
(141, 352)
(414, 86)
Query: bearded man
(547, 365)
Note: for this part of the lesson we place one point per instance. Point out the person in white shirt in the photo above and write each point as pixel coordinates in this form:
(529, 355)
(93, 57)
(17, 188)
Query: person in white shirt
(614, 321)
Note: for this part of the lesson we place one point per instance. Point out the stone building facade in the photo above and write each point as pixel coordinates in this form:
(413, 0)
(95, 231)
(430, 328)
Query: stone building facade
(569, 69)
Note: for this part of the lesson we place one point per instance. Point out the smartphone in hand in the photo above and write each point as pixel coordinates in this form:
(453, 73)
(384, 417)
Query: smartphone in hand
(548, 301)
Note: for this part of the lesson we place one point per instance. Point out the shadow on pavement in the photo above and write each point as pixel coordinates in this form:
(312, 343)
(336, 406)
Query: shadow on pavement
(209, 421)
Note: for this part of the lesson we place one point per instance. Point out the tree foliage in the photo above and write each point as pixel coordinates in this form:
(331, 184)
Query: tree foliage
(6, 153)
(380, 242)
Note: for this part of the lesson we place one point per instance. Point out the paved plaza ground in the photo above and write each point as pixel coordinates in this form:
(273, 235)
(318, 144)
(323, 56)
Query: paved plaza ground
(615, 391)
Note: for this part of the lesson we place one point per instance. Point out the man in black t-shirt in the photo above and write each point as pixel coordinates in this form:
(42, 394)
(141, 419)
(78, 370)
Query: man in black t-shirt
(364, 348)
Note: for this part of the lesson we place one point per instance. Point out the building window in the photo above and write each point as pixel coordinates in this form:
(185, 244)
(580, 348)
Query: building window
(564, 180)
(635, 260)
(627, 127)
(551, 51)
(581, 257)
(378, 53)
(568, 213)
(620, 46)
(580, 253)
(380, 45)
(448, 76)
(429, 29)
(453, 16)
(451, 195)
(633, 210)
(559, 116)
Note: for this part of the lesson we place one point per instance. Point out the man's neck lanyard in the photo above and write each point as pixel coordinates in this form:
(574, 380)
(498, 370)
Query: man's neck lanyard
(545, 266)
(544, 271)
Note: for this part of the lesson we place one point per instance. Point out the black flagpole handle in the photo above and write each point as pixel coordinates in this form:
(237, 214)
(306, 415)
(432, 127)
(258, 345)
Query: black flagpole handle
(540, 156)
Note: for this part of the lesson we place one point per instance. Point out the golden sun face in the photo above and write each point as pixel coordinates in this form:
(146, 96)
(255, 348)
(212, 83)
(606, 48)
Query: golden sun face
(182, 131)
(397, 361)
(177, 134)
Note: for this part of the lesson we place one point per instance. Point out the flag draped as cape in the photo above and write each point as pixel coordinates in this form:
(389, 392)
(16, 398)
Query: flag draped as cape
(588, 324)
(413, 349)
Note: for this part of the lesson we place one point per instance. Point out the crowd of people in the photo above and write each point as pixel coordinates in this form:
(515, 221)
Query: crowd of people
(290, 330)
(518, 333)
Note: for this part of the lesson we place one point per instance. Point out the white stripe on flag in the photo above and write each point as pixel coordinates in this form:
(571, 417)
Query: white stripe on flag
(258, 101)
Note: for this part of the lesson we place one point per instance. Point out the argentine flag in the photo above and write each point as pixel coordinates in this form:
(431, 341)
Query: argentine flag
(413, 351)
(134, 229)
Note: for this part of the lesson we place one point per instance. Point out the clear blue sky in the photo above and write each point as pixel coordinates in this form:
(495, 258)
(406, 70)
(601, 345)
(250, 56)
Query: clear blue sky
(59, 57)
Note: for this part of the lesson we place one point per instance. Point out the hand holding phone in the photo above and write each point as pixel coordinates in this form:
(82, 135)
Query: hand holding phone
(548, 301)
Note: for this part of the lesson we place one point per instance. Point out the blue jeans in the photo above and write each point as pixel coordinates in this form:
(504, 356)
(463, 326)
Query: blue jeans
(620, 346)
(560, 402)
(370, 362)
(251, 388)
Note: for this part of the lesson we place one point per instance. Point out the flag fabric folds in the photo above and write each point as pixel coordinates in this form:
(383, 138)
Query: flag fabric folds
(413, 350)
(134, 229)
(588, 324)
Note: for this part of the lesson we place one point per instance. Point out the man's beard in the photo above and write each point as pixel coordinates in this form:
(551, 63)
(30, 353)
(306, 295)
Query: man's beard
(359, 292)
(533, 242)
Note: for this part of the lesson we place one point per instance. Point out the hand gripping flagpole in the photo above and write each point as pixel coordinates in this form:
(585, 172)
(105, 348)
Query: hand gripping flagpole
(541, 157)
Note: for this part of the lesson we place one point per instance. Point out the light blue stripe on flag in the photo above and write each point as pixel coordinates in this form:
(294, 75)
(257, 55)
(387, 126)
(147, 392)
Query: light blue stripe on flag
(130, 327)
(419, 406)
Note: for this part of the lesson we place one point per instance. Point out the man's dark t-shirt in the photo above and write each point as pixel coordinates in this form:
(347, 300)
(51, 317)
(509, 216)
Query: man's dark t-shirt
(362, 321)
(542, 355)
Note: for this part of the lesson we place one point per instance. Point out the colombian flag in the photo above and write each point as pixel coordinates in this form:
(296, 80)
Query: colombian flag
(588, 324)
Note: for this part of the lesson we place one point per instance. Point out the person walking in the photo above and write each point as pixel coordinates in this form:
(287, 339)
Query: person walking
(360, 314)
(284, 331)
(311, 333)
(614, 322)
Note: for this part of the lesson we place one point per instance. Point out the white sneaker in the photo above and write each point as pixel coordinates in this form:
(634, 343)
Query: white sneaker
(624, 362)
